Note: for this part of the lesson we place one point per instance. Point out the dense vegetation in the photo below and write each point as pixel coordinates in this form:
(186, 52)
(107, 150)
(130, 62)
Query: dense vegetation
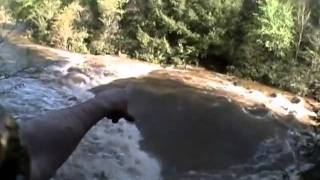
(276, 42)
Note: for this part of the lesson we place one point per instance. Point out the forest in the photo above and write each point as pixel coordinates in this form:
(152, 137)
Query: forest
(276, 42)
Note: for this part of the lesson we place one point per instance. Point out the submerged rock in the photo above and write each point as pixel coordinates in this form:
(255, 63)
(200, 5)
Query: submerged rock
(273, 95)
(295, 100)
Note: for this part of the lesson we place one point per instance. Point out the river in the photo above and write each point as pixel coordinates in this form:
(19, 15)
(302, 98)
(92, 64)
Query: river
(182, 132)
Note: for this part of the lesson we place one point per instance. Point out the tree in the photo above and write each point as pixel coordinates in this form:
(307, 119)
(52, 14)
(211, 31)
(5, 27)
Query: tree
(183, 31)
(267, 44)
(302, 18)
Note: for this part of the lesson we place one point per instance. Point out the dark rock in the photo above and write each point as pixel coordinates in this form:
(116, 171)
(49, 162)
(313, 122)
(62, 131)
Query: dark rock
(73, 98)
(295, 100)
(317, 111)
(315, 118)
(258, 110)
(34, 70)
(273, 95)
(236, 83)
(311, 174)
(293, 113)
(75, 69)
(107, 73)
(76, 78)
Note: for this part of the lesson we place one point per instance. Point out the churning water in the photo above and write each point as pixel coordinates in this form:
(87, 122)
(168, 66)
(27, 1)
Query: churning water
(108, 152)
(181, 133)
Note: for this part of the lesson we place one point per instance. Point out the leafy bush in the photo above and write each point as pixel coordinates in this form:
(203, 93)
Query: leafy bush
(315, 15)
(105, 38)
(5, 23)
(37, 14)
(80, 26)
(174, 31)
(63, 31)
(309, 62)
(306, 67)
(4, 16)
(267, 45)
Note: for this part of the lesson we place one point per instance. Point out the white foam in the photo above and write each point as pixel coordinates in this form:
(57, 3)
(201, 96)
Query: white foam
(113, 151)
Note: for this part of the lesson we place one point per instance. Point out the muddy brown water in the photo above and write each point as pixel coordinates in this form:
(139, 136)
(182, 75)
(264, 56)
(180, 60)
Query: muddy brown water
(189, 129)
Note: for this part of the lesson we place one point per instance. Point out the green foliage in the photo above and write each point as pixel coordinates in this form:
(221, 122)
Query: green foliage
(63, 31)
(5, 21)
(4, 16)
(266, 50)
(308, 66)
(274, 27)
(21, 9)
(105, 33)
(273, 41)
(172, 31)
(76, 25)
(4, 3)
(37, 13)
(305, 76)
(315, 12)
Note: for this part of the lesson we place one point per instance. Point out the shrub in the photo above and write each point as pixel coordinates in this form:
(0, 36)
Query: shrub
(76, 25)
(306, 67)
(105, 38)
(5, 24)
(37, 14)
(4, 16)
(267, 45)
(64, 32)
(309, 60)
(315, 15)
(172, 31)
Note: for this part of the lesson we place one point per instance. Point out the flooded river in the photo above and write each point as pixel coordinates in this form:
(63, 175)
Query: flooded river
(182, 132)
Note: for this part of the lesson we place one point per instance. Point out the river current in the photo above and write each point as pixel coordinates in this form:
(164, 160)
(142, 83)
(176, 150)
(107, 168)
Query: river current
(180, 134)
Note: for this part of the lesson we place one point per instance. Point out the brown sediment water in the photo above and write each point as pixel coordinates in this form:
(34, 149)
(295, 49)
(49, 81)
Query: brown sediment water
(190, 129)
